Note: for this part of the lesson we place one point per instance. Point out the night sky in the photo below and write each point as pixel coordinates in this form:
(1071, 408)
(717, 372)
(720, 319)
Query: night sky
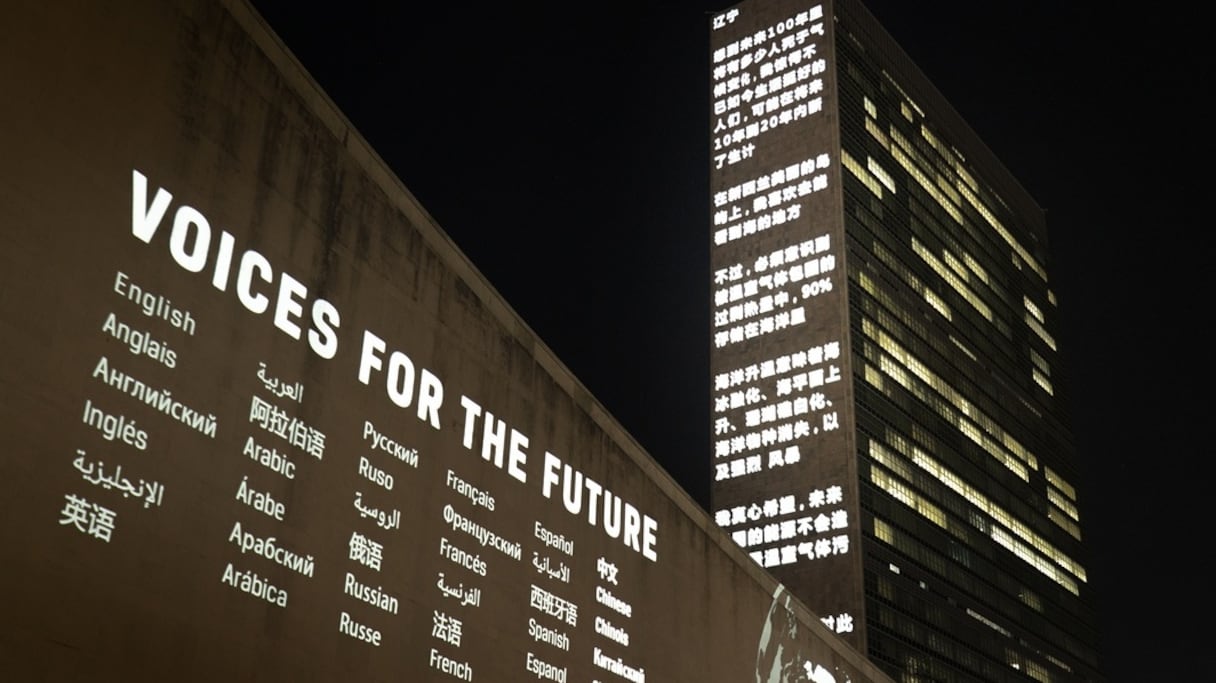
(564, 148)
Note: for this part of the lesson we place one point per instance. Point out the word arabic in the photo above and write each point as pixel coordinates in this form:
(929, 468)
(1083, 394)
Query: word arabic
(391, 520)
(94, 473)
(466, 596)
(561, 572)
(294, 391)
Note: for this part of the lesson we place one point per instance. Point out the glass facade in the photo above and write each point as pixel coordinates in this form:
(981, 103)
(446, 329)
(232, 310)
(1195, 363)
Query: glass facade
(965, 481)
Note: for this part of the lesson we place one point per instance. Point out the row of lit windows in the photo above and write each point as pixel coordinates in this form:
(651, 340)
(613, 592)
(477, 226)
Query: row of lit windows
(881, 173)
(951, 156)
(1062, 497)
(855, 168)
(904, 494)
(951, 277)
(913, 548)
(1036, 322)
(1060, 483)
(965, 426)
(1033, 308)
(988, 622)
(927, 221)
(901, 467)
(887, 315)
(964, 188)
(1057, 662)
(963, 347)
(969, 189)
(1027, 555)
(971, 517)
(1040, 362)
(1041, 380)
(905, 626)
(936, 302)
(964, 269)
(1000, 229)
(916, 163)
(1028, 666)
(888, 259)
(954, 272)
(954, 482)
(1041, 370)
(1041, 331)
(1006, 527)
(970, 414)
(956, 162)
(950, 192)
(881, 137)
(1059, 501)
(907, 100)
(902, 156)
(1064, 522)
(874, 378)
(924, 221)
(1062, 503)
(873, 129)
(903, 623)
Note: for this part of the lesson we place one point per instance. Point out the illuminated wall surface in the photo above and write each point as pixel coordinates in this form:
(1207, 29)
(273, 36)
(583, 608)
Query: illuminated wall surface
(889, 416)
(784, 479)
(262, 421)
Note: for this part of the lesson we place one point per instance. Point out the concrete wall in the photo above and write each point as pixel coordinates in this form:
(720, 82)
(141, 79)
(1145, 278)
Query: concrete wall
(263, 421)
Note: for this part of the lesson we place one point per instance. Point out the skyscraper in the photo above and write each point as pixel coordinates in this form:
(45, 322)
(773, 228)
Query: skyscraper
(890, 424)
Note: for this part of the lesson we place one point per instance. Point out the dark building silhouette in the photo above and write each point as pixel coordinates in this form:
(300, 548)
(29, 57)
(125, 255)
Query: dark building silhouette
(891, 434)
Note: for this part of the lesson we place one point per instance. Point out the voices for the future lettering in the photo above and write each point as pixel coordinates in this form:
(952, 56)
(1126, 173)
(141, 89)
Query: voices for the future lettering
(297, 312)
(467, 547)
